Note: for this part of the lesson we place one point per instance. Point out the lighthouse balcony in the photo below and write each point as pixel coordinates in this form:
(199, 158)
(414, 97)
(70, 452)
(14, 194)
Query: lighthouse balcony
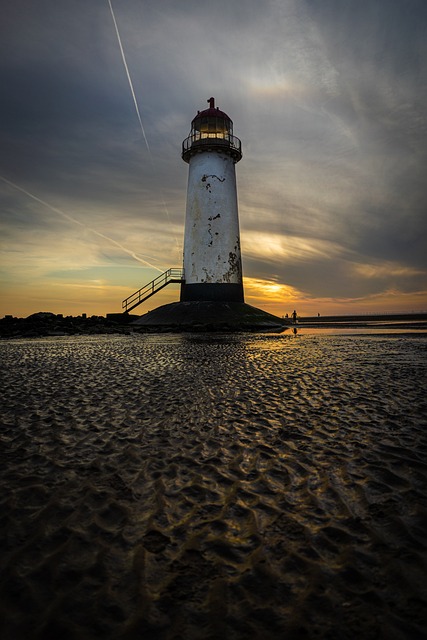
(215, 141)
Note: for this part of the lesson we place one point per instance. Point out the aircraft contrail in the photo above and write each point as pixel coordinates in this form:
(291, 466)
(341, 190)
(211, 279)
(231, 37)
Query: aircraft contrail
(81, 224)
(136, 107)
(128, 75)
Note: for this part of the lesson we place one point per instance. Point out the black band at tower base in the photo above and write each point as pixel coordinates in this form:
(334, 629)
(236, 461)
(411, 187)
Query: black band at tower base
(212, 291)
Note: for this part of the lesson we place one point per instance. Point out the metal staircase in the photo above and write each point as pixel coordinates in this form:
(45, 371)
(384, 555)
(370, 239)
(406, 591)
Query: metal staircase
(171, 275)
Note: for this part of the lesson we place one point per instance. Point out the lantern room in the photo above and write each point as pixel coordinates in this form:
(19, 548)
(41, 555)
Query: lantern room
(211, 129)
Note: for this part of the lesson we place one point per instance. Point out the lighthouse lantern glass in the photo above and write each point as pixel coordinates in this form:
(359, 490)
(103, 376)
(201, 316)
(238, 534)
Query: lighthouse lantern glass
(213, 125)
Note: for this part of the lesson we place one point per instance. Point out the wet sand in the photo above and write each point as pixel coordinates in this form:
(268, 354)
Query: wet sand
(202, 487)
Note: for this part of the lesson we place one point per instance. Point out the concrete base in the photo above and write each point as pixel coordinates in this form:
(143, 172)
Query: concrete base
(209, 316)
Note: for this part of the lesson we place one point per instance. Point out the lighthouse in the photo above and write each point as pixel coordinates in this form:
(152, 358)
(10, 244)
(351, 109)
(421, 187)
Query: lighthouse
(211, 297)
(212, 256)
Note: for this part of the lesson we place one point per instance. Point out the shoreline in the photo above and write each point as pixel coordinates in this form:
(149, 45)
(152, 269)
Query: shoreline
(391, 321)
(46, 324)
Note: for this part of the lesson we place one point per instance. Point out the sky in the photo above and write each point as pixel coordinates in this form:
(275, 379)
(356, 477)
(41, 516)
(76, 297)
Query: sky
(329, 99)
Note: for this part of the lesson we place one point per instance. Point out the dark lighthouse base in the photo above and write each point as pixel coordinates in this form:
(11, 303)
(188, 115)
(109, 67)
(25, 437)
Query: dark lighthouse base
(209, 316)
(215, 292)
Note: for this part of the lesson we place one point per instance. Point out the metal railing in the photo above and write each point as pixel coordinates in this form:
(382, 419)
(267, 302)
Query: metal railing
(197, 140)
(148, 290)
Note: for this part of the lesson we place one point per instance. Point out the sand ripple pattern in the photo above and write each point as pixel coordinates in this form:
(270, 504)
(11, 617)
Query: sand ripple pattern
(186, 487)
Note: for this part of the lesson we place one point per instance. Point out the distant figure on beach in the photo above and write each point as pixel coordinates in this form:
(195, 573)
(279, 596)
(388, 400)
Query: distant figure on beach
(294, 317)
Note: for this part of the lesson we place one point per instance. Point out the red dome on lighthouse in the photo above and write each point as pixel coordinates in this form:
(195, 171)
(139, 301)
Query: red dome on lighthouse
(212, 112)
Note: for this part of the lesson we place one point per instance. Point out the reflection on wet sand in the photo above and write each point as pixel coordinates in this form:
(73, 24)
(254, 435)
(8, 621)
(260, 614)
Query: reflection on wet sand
(213, 486)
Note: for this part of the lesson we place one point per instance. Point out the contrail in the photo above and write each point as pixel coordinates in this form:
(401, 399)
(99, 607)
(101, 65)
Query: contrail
(81, 224)
(128, 75)
(137, 108)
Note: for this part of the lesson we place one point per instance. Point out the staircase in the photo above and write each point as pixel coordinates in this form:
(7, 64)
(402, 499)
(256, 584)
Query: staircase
(171, 275)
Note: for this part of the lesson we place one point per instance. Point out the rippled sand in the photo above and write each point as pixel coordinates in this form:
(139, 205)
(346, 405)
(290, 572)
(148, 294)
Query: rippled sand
(180, 487)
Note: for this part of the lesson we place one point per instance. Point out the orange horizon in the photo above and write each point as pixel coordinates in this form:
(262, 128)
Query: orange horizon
(108, 300)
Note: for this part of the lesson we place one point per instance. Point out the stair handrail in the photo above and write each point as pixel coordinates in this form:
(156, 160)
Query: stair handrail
(170, 275)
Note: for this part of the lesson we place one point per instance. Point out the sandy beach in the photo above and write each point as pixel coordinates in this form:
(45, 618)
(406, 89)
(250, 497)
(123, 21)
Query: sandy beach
(180, 487)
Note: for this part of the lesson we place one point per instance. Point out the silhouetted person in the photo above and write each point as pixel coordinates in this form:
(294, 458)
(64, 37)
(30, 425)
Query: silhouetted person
(294, 317)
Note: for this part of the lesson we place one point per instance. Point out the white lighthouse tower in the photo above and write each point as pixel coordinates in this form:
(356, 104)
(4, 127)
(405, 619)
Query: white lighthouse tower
(211, 280)
(212, 258)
